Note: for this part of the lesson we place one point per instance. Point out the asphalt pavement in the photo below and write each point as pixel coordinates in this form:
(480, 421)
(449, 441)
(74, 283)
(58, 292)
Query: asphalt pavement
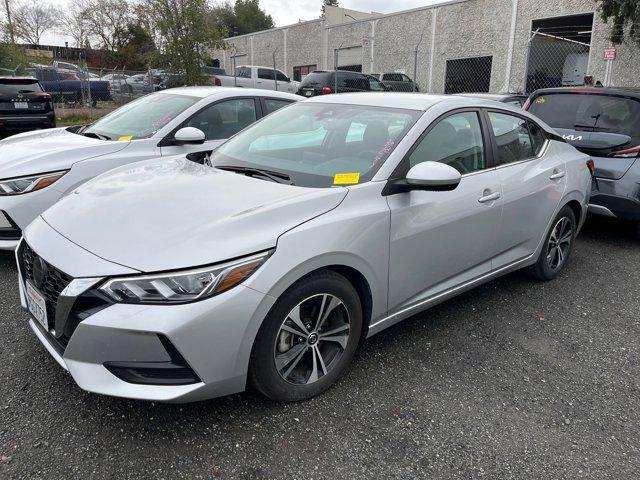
(515, 379)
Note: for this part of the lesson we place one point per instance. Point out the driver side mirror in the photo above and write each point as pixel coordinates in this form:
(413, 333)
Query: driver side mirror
(189, 136)
(432, 176)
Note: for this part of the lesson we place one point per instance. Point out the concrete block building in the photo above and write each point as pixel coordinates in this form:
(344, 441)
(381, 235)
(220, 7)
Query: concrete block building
(453, 46)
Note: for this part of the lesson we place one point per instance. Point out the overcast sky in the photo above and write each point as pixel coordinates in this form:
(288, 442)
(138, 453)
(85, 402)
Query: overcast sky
(286, 12)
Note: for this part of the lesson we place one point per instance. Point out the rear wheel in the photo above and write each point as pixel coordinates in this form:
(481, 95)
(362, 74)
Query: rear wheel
(308, 339)
(557, 246)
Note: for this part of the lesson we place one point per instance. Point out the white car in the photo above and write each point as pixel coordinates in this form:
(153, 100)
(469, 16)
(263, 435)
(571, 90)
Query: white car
(252, 76)
(38, 168)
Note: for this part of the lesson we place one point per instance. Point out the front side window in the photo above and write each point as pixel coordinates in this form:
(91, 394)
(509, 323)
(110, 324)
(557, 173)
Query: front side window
(319, 144)
(281, 76)
(142, 118)
(457, 141)
(512, 138)
(224, 119)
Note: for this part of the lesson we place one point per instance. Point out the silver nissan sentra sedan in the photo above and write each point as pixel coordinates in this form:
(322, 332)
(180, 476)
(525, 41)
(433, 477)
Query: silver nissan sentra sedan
(321, 225)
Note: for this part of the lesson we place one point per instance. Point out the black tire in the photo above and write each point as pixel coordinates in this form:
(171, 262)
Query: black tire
(263, 372)
(544, 269)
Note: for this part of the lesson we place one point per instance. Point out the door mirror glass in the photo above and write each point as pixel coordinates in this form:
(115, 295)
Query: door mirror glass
(189, 136)
(433, 176)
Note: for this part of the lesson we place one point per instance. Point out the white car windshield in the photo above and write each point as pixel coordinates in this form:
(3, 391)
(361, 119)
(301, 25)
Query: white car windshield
(319, 145)
(141, 118)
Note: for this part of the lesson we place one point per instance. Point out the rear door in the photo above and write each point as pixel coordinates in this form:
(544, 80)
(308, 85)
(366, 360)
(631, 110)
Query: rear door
(533, 180)
(599, 124)
(266, 79)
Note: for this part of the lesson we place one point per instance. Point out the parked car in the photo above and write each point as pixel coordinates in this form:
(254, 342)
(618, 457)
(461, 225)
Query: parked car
(397, 82)
(605, 124)
(162, 124)
(127, 84)
(517, 99)
(325, 223)
(251, 76)
(24, 106)
(324, 82)
(65, 86)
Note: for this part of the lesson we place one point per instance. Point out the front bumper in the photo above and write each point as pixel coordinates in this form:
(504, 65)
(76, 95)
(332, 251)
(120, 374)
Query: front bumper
(213, 336)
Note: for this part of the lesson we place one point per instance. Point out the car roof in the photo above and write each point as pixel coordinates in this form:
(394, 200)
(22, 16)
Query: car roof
(18, 79)
(204, 92)
(626, 91)
(493, 96)
(409, 101)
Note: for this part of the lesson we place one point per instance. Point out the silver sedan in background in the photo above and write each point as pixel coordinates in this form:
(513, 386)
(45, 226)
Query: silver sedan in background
(321, 225)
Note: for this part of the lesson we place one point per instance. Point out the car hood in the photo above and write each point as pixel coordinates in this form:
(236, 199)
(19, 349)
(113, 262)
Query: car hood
(48, 151)
(171, 214)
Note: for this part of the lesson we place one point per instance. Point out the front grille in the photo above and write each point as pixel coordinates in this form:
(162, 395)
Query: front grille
(53, 280)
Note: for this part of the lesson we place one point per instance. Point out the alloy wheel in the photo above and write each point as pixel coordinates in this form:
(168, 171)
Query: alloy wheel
(311, 339)
(559, 243)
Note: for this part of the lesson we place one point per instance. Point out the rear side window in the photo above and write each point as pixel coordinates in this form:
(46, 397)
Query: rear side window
(243, 72)
(273, 105)
(512, 138)
(14, 87)
(589, 112)
(266, 74)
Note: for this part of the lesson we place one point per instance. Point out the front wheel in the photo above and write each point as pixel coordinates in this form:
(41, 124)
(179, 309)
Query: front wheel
(557, 246)
(308, 339)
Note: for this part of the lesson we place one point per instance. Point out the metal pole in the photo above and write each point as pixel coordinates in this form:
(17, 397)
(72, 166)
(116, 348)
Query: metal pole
(415, 63)
(275, 77)
(335, 75)
(526, 62)
(6, 4)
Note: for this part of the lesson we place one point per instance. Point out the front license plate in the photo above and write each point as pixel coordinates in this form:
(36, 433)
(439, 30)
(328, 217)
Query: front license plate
(20, 105)
(37, 306)
(308, 93)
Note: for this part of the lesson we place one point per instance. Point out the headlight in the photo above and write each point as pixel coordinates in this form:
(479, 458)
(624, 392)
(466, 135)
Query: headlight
(16, 186)
(183, 287)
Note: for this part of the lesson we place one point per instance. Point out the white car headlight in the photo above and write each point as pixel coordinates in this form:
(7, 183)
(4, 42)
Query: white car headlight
(183, 287)
(16, 186)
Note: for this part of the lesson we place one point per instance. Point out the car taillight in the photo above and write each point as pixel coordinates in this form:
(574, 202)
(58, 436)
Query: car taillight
(527, 104)
(591, 166)
(217, 82)
(326, 90)
(44, 95)
(628, 153)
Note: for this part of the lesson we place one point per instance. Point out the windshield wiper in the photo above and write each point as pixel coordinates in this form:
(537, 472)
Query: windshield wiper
(277, 177)
(99, 136)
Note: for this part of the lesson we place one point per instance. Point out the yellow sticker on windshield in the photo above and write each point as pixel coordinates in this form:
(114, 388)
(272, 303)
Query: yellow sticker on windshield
(346, 178)
(125, 139)
(540, 100)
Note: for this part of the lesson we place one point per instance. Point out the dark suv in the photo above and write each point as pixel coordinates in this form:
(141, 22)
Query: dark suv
(323, 82)
(603, 123)
(24, 106)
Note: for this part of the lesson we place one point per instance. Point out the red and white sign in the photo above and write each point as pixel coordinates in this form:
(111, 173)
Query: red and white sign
(609, 53)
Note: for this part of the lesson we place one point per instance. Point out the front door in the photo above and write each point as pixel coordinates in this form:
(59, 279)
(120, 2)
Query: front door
(440, 239)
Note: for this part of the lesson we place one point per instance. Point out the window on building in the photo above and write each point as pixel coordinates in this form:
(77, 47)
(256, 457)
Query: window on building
(468, 75)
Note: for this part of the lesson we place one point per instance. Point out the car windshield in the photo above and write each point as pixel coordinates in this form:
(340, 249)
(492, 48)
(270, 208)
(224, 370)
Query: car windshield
(319, 145)
(141, 118)
(589, 112)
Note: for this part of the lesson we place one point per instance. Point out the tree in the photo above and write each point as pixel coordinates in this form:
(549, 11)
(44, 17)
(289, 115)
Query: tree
(330, 3)
(242, 18)
(33, 19)
(107, 21)
(625, 16)
(184, 35)
(74, 22)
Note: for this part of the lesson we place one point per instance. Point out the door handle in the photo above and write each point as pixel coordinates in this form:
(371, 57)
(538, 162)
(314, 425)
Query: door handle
(556, 175)
(489, 198)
